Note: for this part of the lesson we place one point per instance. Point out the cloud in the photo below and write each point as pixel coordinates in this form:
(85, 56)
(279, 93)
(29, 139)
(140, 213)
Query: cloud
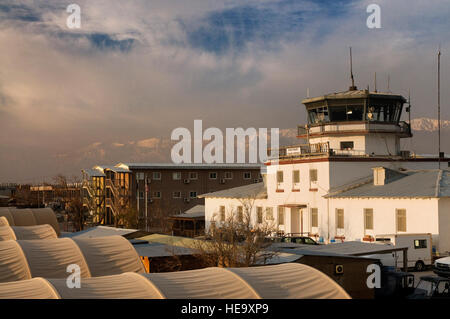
(138, 69)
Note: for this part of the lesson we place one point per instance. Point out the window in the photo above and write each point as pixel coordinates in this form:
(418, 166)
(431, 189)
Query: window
(193, 194)
(240, 213)
(296, 177)
(420, 243)
(222, 213)
(176, 176)
(228, 175)
(401, 220)
(140, 176)
(247, 175)
(314, 217)
(269, 213)
(176, 194)
(212, 175)
(156, 175)
(313, 175)
(279, 177)
(193, 175)
(347, 145)
(259, 215)
(280, 215)
(368, 218)
(156, 195)
(339, 218)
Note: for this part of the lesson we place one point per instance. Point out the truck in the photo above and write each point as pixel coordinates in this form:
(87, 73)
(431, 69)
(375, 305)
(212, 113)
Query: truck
(442, 267)
(420, 254)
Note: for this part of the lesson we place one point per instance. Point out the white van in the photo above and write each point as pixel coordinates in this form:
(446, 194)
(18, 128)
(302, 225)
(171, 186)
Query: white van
(419, 249)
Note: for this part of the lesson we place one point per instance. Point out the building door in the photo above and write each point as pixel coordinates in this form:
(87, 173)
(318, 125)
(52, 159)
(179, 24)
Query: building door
(296, 221)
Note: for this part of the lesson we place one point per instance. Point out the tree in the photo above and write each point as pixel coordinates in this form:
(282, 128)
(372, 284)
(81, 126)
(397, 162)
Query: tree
(236, 241)
(127, 217)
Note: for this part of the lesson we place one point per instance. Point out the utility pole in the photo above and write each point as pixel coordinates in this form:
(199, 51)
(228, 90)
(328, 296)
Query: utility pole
(146, 203)
(439, 107)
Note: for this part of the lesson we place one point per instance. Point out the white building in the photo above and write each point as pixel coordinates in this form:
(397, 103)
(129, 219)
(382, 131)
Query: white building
(319, 188)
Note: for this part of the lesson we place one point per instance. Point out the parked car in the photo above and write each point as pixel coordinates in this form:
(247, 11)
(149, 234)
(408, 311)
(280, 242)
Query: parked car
(432, 287)
(299, 240)
(442, 267)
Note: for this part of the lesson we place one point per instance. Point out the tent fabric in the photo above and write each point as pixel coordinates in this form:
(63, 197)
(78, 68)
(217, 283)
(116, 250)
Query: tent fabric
(30, 217)
(110, 255)
(3, 221)
(34, 232)
(23, 217)
(214, 283)
(127, 285)
(13, 264)
(294, 281)
(7, 233)
(46, 216)
(35, 288)
(308, 283)
(50, 258)
(25, 259)
(4, 212)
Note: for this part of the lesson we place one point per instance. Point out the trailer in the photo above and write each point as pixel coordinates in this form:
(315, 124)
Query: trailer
(420, 254)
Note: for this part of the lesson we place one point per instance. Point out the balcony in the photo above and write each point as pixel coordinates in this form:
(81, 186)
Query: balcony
(301, 150)
(403, 129)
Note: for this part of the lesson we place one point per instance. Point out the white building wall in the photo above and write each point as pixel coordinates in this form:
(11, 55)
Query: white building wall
(444, 225)
(421, 217)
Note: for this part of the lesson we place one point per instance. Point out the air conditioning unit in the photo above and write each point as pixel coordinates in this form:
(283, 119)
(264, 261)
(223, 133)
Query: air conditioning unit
(256, 180)
(187, 200)
(150, 200)
(339, 269)
(222, 181)
(149, 180)
(187, 181)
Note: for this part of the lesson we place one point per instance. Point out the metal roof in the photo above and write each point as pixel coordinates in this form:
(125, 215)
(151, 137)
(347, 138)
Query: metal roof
(350, 248)
(113, 168)
(94, 172)
(100, 231)
(161, 250)
(194, 212)
(187, 166)
(354, 94)
(412, 184)
(256, 191)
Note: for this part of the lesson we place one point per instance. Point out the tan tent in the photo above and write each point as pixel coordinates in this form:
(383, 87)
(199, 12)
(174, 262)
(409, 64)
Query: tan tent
(295, 281)
(30, 217)
(3, 221)
(27, 232)
(110, 255)
(24, 259)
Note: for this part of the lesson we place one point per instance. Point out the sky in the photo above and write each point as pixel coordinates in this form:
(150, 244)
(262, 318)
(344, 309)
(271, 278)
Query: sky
(113, 90)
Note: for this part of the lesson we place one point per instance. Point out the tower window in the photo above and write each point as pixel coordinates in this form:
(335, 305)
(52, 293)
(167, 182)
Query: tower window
(348, 145)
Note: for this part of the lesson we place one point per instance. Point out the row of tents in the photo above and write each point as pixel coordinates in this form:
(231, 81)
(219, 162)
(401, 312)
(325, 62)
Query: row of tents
(34, 264)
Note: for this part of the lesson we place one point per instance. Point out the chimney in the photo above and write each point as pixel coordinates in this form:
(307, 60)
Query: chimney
(264, 174)
(379, 176)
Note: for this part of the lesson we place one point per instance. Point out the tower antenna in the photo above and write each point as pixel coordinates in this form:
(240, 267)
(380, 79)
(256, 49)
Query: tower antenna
(353, 87)
(439, 106)
(389, 83)
(375, 82)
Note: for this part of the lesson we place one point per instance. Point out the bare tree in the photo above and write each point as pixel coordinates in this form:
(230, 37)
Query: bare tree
(237, 240)
(127, 217)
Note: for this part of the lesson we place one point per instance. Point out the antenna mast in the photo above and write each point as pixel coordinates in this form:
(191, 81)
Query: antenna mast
(439, 107)
(353, 87)
(375, 82)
